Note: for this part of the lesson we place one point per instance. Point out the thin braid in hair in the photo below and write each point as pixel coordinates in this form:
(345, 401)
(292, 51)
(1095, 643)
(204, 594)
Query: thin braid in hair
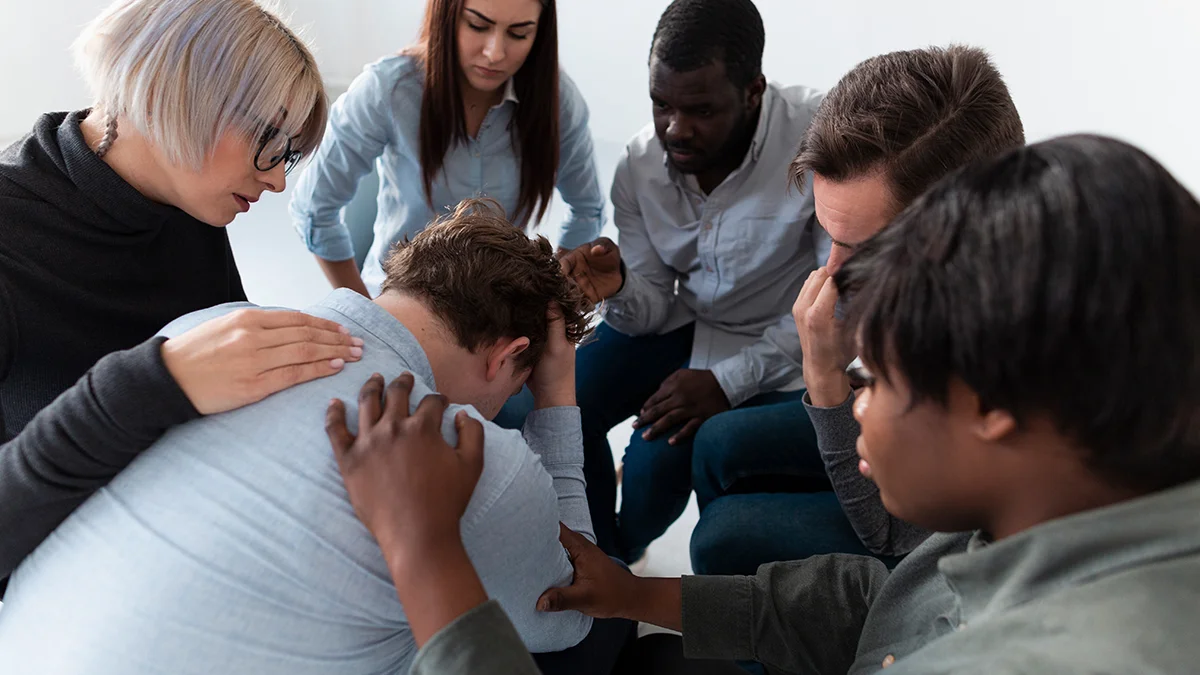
(110, 135)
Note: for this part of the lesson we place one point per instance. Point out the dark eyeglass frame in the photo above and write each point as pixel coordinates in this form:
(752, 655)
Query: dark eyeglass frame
(290, 158)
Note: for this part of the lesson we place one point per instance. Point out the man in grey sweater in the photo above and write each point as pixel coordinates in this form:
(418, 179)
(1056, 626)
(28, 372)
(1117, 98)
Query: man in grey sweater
(230, 546)
(1035, 399)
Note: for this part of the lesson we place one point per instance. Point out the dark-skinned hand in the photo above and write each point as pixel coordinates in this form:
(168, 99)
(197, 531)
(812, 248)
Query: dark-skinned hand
(687, 397)
(603, 589)
(407, 484)
(596, 268)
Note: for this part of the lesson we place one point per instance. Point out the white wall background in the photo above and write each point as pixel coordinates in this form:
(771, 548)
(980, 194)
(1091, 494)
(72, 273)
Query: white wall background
(1130, 69)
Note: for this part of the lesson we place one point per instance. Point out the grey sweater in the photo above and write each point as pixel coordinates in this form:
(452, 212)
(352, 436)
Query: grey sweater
(837, 438)
(81, 441)
(1113, 590)
(88, 266)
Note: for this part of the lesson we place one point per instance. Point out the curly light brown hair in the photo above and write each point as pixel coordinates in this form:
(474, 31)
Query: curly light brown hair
(486, 279)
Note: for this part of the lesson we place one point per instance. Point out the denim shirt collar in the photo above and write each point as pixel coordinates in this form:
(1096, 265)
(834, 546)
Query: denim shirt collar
(377, 321)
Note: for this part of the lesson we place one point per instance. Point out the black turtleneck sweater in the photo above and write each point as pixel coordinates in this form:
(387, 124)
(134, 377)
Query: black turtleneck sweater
(88, 266)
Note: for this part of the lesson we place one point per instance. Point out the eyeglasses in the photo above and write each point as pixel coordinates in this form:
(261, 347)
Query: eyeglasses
(274, 147)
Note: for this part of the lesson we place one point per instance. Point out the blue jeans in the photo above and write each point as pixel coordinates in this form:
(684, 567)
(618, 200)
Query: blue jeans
(764, 497)
(659, 477)
(765, 445)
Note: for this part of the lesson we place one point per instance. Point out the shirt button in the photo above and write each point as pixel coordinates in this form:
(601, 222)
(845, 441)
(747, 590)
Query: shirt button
(888, 660)
(707, 268)
(708, 226)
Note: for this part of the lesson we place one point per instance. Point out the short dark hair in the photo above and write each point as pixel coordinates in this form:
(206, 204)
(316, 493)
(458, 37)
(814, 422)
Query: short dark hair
(1059, 279)
(916, 115)
(694, 33)
(486, 280)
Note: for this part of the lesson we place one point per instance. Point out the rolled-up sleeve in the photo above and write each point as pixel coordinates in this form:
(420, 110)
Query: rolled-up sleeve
(644, 303)
(359, 129)
(577, 179)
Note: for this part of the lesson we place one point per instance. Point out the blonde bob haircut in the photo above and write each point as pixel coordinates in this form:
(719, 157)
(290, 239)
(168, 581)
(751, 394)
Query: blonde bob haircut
(184, 73)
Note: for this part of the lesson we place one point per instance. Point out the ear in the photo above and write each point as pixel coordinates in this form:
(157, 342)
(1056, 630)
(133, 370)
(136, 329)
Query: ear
(504, 351)
(988, 425)
(994, 425)
(755, 91)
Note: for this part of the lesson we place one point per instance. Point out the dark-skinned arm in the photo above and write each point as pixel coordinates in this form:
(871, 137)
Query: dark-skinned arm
(411, 488)
(803, 616)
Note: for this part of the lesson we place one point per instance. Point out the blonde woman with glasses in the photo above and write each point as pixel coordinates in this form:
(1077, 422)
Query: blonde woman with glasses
(112, 225)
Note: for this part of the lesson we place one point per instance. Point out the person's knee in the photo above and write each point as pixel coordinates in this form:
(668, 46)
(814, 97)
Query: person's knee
(717, 442)
(714, 543)
(643, 458)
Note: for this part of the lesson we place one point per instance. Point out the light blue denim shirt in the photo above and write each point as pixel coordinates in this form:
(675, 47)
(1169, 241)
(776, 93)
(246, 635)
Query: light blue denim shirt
(377, 121)
(230, 546)
(732, 261)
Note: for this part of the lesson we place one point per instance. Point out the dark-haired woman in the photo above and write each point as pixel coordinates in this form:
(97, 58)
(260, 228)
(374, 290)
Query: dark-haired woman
(477, 107)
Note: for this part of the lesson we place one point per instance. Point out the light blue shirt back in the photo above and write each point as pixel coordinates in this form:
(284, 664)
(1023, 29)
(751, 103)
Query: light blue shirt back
(377, 121)
(231, 546)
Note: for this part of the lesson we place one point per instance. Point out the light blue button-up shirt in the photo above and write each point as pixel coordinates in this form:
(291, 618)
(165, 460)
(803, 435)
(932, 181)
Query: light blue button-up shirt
(230, 546)
(732, 261)
(378, 121)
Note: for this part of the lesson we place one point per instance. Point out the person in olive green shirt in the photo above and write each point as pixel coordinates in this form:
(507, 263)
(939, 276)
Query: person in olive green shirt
(1035, 400)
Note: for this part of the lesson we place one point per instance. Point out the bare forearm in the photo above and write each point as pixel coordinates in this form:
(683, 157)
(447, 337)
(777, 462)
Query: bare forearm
(436, 584)
(343, 274)
(827, 390)
(658, 602)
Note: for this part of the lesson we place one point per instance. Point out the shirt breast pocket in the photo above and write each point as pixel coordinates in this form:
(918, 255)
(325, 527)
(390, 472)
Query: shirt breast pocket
(769, 241)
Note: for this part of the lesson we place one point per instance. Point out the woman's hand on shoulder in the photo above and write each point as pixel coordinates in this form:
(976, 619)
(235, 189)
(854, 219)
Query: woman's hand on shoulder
(244, 356)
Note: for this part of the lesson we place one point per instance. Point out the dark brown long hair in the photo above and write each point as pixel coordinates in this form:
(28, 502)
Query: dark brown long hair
(535, 134)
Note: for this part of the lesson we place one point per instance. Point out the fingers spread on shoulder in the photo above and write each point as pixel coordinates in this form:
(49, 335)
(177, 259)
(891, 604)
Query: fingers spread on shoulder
(299, 353)
(370, 403)
(335, 427)
(272, 337)
(397, 397)
(278, 379)
(264, 318)
(430, 411)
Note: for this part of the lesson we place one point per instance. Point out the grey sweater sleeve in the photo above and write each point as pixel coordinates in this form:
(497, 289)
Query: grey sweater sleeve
(837, 437)
(794, 617)
(480, 642)
(81, 441)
